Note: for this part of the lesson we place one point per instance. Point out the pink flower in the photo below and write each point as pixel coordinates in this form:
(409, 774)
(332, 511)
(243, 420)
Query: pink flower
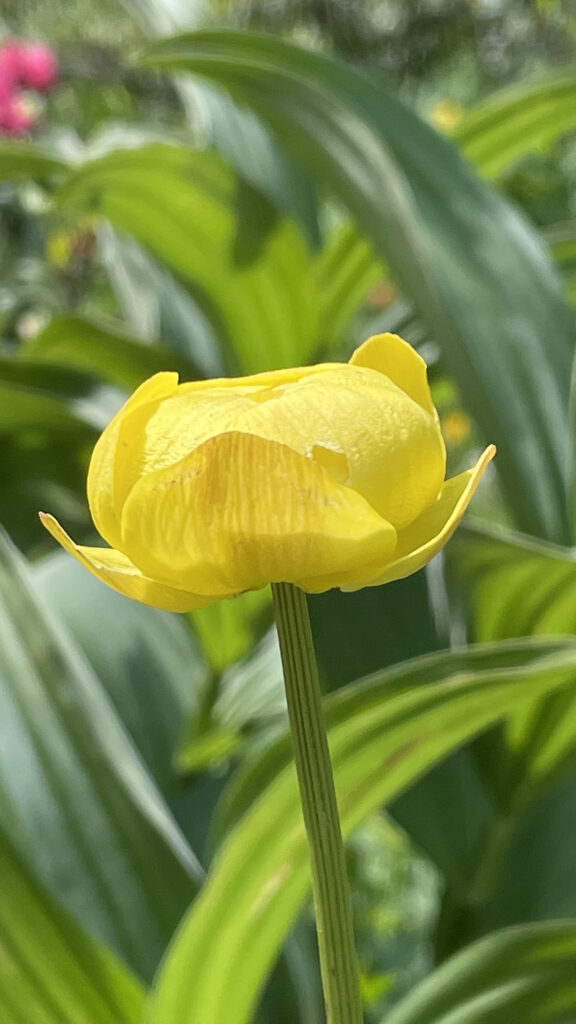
(28, 65)
(15, 119)
(39, 67)
(11, 64)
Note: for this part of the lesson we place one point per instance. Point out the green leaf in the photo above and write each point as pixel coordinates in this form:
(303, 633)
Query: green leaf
(156, 305)
(389, 624)
(229, 630)
(248, 268)
(518, 587)
(519, 974)
(70, 775)
(51, 971)
(473, 268)
(150, 665)
(516, 121)
(110, 354)
(347, 270)
(384, 733)
(50, 418)
(25, 160)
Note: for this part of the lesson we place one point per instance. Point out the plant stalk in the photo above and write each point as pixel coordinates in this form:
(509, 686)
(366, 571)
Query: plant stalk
(338, 961)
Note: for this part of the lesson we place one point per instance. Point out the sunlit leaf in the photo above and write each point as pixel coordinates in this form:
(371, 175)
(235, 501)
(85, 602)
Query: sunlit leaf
(51, 971)
(383, 734)
(523, 973)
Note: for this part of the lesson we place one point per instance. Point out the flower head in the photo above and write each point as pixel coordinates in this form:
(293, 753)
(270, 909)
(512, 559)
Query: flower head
(29, 65)
(323, 476)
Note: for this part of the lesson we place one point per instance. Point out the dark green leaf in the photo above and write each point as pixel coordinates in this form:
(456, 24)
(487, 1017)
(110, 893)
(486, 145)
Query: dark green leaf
(521, 974)
(70, 775)
(474, 270)
(383, 735)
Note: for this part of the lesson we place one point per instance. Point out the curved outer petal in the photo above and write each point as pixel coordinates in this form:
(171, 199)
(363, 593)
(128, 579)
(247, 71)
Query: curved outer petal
(113, 568)
(241, 511)
(418, 544)
(102, 474)
(396, 359)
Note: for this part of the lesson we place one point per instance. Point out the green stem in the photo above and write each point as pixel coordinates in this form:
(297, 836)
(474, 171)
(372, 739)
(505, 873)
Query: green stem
(338, 960)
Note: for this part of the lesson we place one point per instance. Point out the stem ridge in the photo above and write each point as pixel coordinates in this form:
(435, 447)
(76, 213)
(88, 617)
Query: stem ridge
(338, 961)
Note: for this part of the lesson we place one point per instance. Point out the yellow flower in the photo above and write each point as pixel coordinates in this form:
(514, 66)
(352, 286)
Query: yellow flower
(323, 476)
(446, 115)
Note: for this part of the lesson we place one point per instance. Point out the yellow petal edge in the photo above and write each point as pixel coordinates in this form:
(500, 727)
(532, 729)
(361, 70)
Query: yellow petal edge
(113, 568)
(425, 537)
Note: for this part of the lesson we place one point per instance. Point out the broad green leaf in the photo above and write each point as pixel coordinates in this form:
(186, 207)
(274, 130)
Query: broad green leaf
(50, 418)
(561, 240)
(513, 122)
(245, 265)
(519, 974)
(234, 131)
(384, 733)
(473, 268)
(518, 587)
(229, 630)
(515, 586)
(156, 305)
(347, 270)
(107, 352)
(70, 775)
(51, 971)
(389, 624)
(532, 873)
(25, 160)
(150, 665)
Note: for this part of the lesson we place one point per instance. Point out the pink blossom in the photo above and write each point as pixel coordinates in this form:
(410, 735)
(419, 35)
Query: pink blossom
(15, 119)
(11, 64)
(29, 65)
(39, 67)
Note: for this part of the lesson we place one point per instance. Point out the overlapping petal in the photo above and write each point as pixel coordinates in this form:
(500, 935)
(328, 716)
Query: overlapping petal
(323, 476)
(241, 511)
(391, 449)
(418, 544)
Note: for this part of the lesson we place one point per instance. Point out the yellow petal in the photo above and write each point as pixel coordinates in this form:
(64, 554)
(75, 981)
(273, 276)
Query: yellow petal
(362, 428)
(418, 544)
(103, 480)
(240, 512)
(397, 360)
(113, 568)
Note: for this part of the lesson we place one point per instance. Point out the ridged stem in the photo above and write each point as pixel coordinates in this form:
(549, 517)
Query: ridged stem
(338, 961)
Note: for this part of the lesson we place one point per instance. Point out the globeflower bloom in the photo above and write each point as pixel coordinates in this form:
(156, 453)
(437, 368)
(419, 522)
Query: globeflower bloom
(322, 476)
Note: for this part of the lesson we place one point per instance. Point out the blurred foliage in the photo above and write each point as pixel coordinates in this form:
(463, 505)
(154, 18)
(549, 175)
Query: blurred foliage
(403, 165)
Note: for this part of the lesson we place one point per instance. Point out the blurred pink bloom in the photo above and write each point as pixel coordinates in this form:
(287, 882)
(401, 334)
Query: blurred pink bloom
(23, 65)
(15, 119)
(31, 65)
(38, 67)
(11, 64)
